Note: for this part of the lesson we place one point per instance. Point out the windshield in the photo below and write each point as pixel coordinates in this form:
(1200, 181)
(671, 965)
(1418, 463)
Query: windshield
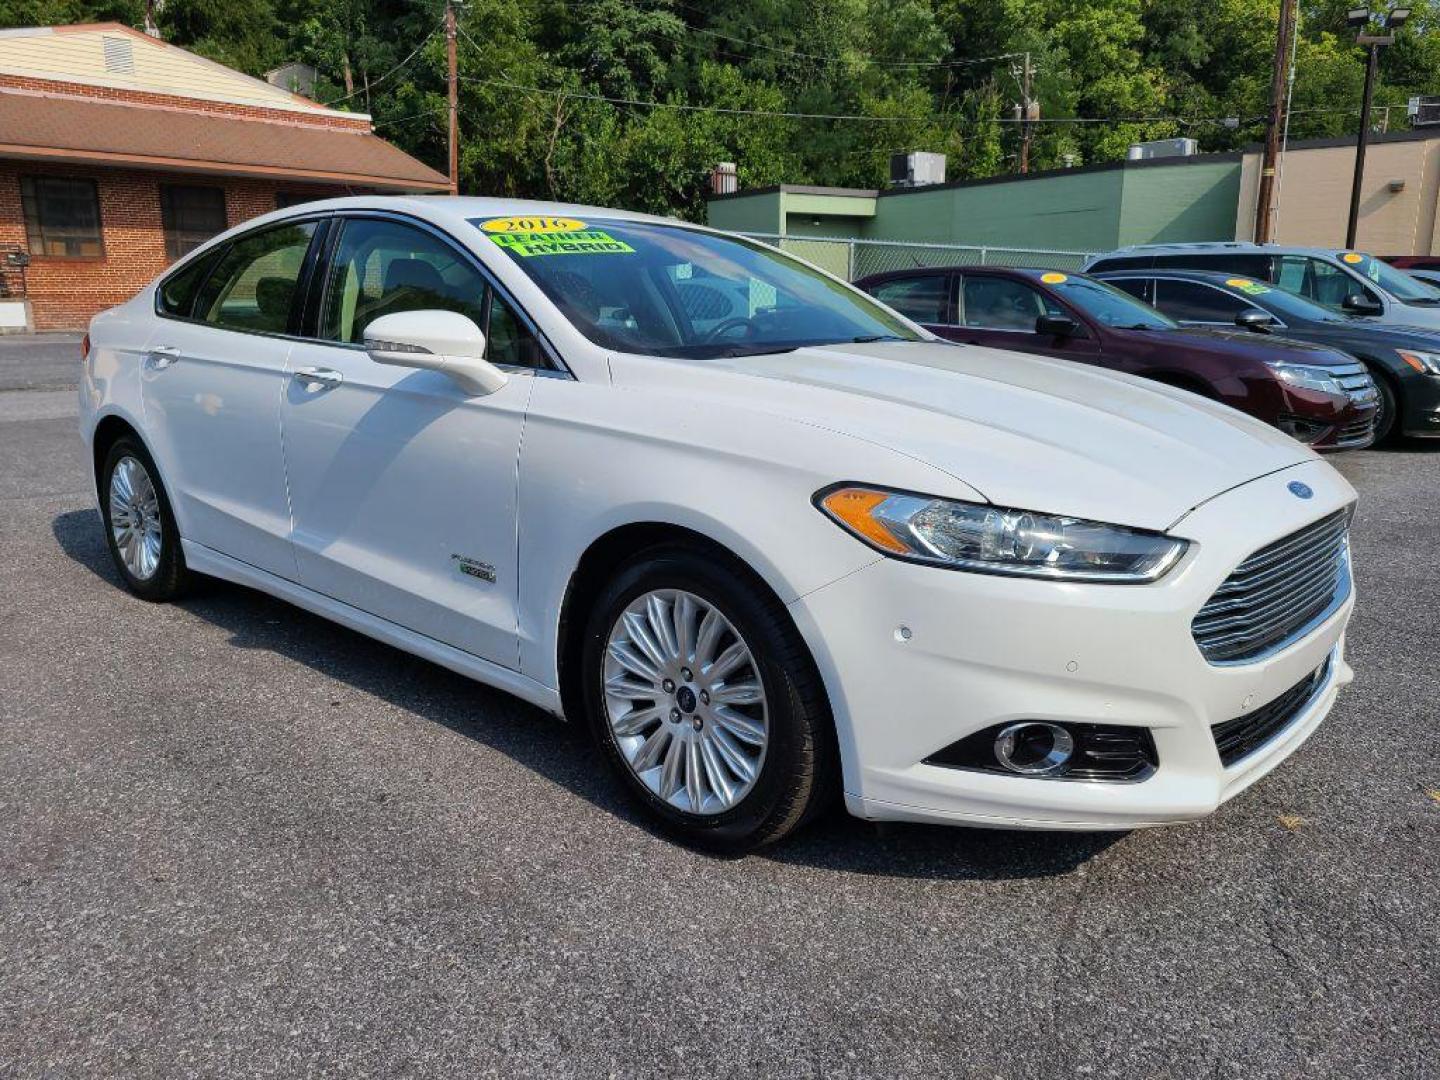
(672, 291)
(1107, 304)
(1396, 282)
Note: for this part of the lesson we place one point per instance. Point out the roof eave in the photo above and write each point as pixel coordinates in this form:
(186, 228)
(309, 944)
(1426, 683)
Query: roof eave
(221, 168)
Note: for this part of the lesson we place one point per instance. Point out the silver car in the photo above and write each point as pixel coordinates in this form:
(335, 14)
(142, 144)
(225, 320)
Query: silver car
(1347, 282)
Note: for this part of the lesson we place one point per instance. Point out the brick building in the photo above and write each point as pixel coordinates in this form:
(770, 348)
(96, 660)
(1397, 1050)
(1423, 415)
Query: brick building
(119, 153)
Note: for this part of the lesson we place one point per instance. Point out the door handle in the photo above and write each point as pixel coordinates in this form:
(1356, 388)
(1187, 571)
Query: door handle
(316, 376)
(161, 357)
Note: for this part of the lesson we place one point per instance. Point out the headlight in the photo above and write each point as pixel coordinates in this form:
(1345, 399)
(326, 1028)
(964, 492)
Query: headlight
(1427, 363)
(1303, 375)
(994, 540)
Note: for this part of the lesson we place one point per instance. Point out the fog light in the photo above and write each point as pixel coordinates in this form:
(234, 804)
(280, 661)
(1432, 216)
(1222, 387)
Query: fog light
(1297, 427)
(1034, 748)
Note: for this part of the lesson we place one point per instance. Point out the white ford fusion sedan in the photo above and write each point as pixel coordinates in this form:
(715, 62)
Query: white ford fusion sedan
(767, 538)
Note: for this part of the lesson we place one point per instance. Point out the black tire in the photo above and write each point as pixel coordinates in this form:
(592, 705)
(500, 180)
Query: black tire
(797, 775)
(170, 578)
(1385, 426)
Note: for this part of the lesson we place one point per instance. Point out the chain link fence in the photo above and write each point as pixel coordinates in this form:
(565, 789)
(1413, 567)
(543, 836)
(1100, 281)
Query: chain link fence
(851, 258)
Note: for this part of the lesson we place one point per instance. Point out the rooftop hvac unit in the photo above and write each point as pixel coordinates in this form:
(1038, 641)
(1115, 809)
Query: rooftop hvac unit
(1162, 148)
(1424, 111)
(916, 169)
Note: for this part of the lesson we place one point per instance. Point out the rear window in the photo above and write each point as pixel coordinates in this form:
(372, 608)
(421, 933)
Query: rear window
(176, 295)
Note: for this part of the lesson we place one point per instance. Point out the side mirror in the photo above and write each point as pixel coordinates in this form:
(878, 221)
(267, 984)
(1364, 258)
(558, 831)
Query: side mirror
(443, 341)
(1359, 304)
(1056, 326)
(1255, 320)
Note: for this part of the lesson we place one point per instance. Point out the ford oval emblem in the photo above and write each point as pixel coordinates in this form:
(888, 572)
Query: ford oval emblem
(1299, 490)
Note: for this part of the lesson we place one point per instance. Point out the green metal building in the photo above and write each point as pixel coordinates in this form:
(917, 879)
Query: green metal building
(1093, 208)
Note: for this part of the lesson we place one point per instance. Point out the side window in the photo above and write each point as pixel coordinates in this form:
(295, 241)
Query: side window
(1189, 301)
(177, 292)
(508, 340)
(923, 299)
(995, 303)
(383, 267)
(1140, 288)
(1125, 262)
(1241, 263)
(254, 284)
(1321, 281)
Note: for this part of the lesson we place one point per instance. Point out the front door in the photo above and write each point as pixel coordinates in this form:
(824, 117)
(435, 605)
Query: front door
(403, 485)
(212, 381)
(1001, 312)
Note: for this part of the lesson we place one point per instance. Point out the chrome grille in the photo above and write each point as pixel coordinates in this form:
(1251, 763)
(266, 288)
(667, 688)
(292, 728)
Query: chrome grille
(1356, 433)
(1277, 594)
(1356, 381)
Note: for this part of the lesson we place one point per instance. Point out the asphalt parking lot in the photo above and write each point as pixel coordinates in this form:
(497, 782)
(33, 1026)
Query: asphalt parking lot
(236, 840)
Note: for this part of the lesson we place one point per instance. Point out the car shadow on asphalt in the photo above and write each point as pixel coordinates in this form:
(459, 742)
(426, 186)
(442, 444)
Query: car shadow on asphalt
(557, 751)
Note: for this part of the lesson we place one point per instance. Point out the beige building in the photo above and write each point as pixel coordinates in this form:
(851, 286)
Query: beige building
(1397, 202)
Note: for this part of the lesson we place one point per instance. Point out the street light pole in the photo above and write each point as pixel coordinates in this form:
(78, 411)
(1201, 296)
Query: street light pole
(1359, 19)
(1362, 140)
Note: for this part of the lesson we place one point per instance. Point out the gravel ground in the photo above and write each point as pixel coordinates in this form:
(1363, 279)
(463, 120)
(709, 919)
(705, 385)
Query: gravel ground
(236, 840)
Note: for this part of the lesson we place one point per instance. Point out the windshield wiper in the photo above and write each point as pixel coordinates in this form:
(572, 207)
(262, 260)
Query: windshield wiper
(866, 339)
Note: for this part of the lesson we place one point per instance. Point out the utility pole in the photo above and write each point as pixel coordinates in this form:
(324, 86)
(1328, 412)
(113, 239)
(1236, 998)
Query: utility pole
(454, 99)
(1274, 122)
(1028, 111)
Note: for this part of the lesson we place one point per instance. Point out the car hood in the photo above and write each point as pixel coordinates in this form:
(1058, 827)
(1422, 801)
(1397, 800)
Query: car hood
(1251, 346)
(1025, 431)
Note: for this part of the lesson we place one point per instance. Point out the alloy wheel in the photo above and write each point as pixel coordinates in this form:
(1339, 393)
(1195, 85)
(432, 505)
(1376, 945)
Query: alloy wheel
(135, 518)
(685, 701)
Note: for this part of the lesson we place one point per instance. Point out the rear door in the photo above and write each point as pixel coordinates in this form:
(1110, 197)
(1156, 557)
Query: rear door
(212, 382)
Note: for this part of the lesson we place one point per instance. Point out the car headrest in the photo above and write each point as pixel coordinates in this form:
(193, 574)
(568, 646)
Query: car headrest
(413, 274)
(273, 296)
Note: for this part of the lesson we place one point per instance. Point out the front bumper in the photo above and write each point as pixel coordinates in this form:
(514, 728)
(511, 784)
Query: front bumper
(984, 650)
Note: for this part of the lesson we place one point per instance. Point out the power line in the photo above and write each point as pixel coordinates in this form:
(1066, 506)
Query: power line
(782, 114)
(376, 82)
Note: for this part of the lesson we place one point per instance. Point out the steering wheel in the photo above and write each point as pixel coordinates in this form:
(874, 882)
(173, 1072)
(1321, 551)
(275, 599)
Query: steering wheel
(736, 323)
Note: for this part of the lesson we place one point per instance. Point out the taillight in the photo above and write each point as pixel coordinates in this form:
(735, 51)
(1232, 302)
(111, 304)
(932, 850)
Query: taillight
(85, 347)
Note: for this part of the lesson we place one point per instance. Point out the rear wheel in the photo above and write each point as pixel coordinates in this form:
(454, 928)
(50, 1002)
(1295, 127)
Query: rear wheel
(705, 701)
(139, 526)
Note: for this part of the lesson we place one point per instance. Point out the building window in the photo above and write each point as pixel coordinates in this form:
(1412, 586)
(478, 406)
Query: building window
(62, 217)
(191, 215)
(285, 199)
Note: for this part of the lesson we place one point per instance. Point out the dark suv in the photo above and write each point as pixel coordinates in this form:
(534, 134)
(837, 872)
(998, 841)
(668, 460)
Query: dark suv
(1320, 396)
(1405, 361)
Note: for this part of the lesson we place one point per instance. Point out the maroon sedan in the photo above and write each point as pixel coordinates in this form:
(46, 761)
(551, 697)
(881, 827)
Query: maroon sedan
(1319, 395)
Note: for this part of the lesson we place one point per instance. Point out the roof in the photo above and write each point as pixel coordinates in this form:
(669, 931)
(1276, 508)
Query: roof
(113, 55)
(94, 131)
(1242, 247)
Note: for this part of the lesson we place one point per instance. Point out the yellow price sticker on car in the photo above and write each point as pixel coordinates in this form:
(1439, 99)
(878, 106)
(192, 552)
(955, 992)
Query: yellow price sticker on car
(1352, 257)
(1254, 288)
(537, 225)
(1053, 279)
(583, 242)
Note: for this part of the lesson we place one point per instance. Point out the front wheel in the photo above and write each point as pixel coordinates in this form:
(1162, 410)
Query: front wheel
(705, 701)
(1387, 412)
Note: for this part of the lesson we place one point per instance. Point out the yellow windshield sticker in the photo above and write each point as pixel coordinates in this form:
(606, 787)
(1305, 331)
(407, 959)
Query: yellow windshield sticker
(1353, 257)
(1254, 288)
(1053, 279)
(532, 225)
(583, 242)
